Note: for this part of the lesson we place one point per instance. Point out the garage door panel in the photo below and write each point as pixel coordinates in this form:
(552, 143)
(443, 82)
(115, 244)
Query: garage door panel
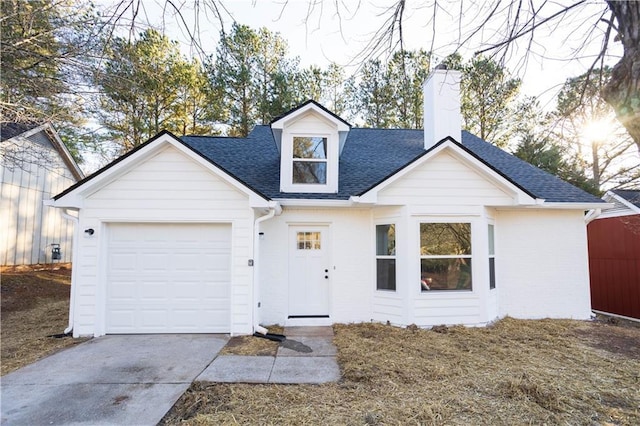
(187, 262)
(123, 319)
(123, 261)
(154, 262)
(153, 291)
(168, 278)
(122, 290)
(154, 319)
(214, 293)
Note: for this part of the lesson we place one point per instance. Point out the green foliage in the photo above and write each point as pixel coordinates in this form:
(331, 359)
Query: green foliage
(253, 76)
(147, 86)
(487, 94)
(28, 46)
(390, 95)
(326, 86)
(44, 51)
(372, 95)
(553, 158)
(407, 71)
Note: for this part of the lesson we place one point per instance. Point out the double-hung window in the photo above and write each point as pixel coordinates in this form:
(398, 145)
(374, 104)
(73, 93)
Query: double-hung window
(445, 256)
(309, 160)
(492, 258)
(386, 257)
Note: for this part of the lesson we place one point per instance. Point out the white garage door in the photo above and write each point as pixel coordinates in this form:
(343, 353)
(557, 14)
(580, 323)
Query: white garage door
(168, 278)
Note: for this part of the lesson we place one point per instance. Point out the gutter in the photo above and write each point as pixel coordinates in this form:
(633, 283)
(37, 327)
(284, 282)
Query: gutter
(274, 209)
(74, 255)
(592, 215)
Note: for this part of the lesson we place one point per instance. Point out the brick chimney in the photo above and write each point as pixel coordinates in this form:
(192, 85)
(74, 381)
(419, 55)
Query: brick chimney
(442, 115)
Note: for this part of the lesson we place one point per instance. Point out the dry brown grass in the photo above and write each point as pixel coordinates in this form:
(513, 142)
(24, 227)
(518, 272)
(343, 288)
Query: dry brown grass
(34, 305)
(514, 372)
(250, 345)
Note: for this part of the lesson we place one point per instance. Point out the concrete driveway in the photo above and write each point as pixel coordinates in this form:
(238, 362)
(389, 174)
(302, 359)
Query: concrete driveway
(131, 379)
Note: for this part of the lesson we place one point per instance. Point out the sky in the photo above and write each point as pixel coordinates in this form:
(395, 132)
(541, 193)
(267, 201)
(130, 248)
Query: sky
(318, 33)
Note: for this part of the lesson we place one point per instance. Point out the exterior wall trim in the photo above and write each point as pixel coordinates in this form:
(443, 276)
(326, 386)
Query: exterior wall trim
(72, 197)
(520, 197)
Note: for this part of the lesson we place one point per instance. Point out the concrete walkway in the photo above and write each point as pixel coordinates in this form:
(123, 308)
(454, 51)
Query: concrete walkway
(109, 380)
(307, 356)
(136, 379)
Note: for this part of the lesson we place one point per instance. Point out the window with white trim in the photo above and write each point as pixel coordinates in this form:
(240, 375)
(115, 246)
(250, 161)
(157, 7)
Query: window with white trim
(308, 241)
(492, 257)
(386, 257)
(445, 256)
(309, 160)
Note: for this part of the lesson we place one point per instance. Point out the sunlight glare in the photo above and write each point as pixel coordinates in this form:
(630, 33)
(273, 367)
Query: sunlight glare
(598, 130)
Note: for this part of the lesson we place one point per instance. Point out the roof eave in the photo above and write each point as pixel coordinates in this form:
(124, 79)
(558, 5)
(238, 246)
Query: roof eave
(567, 205)
(623, 201)
(520, 194)
(73, 197)
(310, 202)
(310, 105)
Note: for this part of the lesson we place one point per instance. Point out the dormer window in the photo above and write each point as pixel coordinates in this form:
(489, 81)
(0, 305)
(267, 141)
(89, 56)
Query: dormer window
(310, 139)
(309, 160)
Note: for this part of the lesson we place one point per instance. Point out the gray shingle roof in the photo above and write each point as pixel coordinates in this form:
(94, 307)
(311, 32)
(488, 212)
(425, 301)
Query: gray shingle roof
(11, 130)
(631, 195)
(369, 156)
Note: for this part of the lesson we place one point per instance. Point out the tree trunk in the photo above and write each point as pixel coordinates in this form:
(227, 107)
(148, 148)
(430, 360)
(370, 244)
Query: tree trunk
(622, 92)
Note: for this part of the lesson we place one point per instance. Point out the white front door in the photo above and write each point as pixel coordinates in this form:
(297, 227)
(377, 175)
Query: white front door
(309, 271)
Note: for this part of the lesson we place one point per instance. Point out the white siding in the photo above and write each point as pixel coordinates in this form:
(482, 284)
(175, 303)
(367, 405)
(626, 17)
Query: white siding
(444, 181)
(171, 188)
(542, 264)
(352, 263)
(27, 227)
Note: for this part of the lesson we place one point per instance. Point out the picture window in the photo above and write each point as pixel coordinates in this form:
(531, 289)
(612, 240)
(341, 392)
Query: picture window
(445, 256)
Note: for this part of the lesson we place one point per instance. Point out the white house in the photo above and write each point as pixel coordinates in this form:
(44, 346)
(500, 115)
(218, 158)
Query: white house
(35, 165)
(310, 221)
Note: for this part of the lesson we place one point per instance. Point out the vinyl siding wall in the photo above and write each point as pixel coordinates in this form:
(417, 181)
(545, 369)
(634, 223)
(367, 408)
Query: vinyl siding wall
(27, 227)
(168, 187)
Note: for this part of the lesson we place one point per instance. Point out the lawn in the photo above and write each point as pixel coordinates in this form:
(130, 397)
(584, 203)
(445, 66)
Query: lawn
(514, 372)
(34, 306)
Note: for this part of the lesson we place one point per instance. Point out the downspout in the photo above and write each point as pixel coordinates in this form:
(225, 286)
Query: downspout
(74, 255)
(274, 208)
